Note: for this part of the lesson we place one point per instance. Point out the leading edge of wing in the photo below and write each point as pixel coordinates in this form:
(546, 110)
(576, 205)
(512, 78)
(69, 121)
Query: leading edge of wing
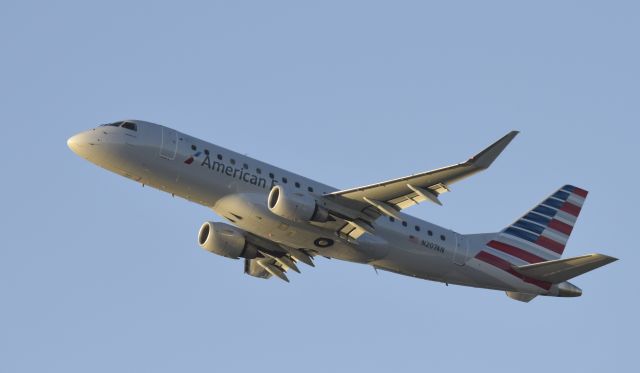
(480, 161)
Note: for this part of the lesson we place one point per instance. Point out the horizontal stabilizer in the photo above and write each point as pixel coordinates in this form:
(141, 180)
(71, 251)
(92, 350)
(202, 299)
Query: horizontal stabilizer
(556, 271)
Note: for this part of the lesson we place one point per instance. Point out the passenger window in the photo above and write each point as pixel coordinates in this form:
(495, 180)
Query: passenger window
(271, 175)
(404, 223)
(442, 237)
(130, 126)
(193, 147)
(245, 166)
(430, 233)
(417, 228)
(206, 151)
(258, 171)
(391, 219)
(233, 161)
(284, 180)
(219, 157)
(310, 189)
(297, 184)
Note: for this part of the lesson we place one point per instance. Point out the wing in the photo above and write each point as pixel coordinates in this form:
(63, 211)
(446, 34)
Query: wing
(389, 197)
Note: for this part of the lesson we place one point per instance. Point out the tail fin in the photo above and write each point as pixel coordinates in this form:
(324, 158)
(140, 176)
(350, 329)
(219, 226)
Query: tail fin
(542, 233)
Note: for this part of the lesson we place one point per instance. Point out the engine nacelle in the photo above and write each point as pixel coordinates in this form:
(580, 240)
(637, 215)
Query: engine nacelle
(295, 206)
(226, 240)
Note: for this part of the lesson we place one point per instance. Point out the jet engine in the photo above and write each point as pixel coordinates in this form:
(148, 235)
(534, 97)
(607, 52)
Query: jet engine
(295, 206)
(226, 240)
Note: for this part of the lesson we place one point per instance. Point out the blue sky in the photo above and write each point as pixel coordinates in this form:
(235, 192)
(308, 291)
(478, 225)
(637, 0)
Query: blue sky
(98, 274)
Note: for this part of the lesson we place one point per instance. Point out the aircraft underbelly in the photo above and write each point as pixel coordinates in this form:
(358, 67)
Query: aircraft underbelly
(249, 211)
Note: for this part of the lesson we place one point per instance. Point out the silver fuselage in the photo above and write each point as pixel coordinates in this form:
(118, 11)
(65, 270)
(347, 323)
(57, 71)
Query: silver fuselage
(236, 187)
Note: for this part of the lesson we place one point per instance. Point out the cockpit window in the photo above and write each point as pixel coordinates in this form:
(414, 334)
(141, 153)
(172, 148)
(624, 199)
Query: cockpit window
(130, 126)
(114, 124)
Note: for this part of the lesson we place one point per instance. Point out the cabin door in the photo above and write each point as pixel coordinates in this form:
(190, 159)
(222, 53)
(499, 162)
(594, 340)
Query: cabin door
(169, 144)
(461, 251)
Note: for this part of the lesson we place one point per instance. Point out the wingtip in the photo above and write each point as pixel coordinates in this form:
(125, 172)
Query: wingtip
(485, 158)
(607, 258)
(511, 135)
(603, 258)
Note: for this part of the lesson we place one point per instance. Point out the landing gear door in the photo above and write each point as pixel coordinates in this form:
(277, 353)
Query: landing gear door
(169, 143)
(461, 252)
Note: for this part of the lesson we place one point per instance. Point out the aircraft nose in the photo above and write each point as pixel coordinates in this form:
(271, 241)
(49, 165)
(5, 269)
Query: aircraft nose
(78, 143)
(74, 143)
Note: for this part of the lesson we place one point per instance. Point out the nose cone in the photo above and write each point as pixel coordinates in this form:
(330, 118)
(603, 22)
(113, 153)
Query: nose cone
(74, 143)
(80, 144)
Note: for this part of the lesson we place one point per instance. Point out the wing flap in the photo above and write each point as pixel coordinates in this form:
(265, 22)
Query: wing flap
(274, 260)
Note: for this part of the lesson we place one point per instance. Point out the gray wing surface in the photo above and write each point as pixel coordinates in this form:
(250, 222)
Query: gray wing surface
(389, 197)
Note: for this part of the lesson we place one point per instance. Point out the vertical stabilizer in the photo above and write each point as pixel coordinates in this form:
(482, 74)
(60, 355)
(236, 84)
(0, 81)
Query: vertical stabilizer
(542, 233)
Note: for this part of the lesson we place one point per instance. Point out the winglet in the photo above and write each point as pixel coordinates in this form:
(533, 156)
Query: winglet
(484, 159)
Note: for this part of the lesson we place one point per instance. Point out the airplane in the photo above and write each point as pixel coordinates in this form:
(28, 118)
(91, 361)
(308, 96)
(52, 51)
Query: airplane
(280, 219)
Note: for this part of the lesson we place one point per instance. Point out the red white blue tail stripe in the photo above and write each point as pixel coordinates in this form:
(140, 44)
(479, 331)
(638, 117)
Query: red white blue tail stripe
(538, 236)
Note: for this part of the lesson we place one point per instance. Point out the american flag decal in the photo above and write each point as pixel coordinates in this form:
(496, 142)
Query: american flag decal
(190, 159)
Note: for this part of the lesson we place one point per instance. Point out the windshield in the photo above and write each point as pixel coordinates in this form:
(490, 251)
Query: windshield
(114, 124)
(128, 125)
